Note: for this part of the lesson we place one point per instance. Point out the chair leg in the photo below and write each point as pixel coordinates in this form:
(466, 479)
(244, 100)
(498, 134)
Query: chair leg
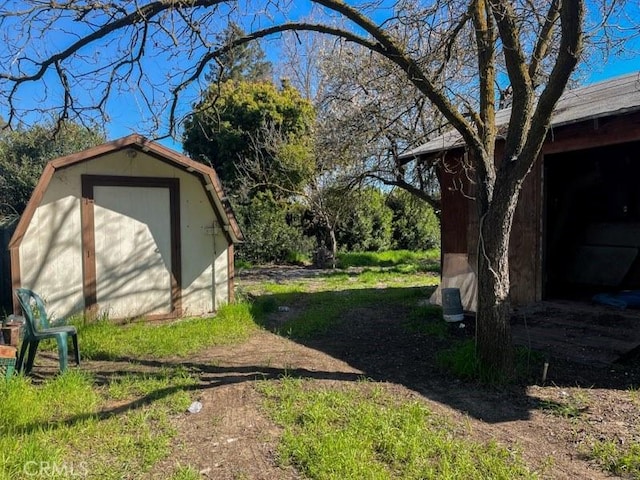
(62, 351)
(33, 347)
(76, 350)
(23, 350)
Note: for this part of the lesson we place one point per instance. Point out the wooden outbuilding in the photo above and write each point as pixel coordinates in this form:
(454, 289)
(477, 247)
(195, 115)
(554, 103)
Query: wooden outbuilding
(127, 229)
(577, 227)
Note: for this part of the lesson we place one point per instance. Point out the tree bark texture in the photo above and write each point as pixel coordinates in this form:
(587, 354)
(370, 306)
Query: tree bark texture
(495, 353)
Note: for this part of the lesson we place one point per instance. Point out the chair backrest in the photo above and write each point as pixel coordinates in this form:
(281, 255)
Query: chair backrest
(35, 315)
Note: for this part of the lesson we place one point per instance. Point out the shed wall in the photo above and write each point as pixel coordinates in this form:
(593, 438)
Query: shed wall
(51, 251)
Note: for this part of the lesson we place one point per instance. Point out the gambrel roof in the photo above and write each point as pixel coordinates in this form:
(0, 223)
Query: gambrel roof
(207, 175)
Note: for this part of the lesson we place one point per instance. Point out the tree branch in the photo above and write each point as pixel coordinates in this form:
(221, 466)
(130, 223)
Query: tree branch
(518, 75)
(415, 74)
(544, 41)
(571, 19)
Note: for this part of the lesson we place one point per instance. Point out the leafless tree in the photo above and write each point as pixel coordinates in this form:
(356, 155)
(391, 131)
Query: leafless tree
(368, 114)
(81, 53)
(322, 193)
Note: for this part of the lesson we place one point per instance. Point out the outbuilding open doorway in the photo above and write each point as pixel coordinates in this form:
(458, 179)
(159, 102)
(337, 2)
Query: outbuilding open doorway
(592, 221)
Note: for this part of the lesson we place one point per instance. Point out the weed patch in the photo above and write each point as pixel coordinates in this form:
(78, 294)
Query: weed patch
(618, 459)
(366, 433)
(561, 409)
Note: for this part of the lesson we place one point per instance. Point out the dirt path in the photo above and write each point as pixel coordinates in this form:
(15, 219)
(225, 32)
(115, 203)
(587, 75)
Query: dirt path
(232, 438)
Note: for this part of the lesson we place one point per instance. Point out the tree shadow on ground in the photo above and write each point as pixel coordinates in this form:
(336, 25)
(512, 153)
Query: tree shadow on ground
(209, 376)
(379, 340)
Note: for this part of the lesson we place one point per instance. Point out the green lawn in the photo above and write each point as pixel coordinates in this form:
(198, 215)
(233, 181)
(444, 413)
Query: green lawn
(104, 340)
(425, 261)
(121, 423)
(76, 425)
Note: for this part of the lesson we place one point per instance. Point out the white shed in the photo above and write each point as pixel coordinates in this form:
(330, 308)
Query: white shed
(129, 228)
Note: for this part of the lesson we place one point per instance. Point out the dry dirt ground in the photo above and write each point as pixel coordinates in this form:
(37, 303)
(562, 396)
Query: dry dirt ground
(233, 438)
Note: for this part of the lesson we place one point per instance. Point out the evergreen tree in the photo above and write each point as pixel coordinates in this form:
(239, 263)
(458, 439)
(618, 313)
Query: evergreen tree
(245, 62)
(255, 135)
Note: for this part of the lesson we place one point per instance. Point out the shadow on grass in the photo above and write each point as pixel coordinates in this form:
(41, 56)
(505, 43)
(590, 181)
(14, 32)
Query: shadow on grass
(376, 331)
(209, 376)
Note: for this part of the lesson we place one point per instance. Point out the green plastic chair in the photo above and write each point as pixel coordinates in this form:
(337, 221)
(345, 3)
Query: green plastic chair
(37, 327)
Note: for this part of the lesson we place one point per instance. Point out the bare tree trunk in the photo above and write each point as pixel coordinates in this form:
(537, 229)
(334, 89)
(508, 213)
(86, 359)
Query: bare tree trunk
(495, 352)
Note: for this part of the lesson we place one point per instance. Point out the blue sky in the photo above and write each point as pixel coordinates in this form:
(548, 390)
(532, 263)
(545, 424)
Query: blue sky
(614, 67)
(124, 112)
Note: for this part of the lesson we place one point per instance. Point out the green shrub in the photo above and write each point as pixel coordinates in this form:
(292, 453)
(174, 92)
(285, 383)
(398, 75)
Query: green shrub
(367, 223)
(272, 231)
(415, 224)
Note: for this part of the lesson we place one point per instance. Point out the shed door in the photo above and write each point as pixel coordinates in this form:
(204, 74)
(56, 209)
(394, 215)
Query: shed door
(132, 250)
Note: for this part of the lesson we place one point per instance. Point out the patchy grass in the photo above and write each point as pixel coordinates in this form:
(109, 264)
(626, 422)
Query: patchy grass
(561, 409)
(427, 319)
(573, 405)
(285, 288)
(73, 425)
(366, 433)
(319, 303)
(427, 261)
(105, 340)
(65, 427)
(157, 385)
(185, 473)
(622, 460)
(323, 310)
(460, 360)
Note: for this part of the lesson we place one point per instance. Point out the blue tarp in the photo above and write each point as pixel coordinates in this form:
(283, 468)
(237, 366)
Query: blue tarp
(621, 300)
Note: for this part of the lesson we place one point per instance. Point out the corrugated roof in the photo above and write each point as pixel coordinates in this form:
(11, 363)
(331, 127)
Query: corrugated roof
(611, 97)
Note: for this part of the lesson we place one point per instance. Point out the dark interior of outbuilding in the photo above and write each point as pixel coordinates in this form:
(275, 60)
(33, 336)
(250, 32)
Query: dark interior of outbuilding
(592, 221)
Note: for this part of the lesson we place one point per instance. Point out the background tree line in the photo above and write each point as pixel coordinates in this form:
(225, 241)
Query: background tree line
(295, 183)
(25, 151)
